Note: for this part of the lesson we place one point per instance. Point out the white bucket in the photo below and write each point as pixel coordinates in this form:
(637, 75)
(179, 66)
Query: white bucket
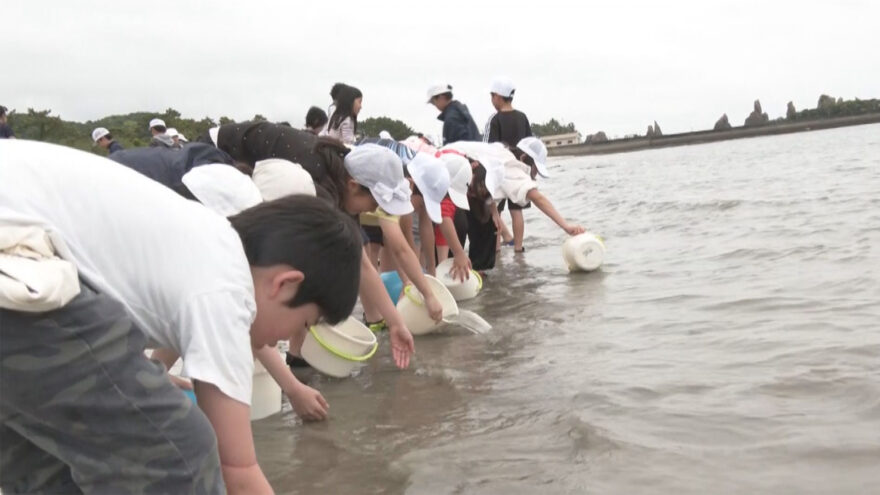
(266, 394)
(337, 350)
(583, 252)
(414, 313)
(461, 290)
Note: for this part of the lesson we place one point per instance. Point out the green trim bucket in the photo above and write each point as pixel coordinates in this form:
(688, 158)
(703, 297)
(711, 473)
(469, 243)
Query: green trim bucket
(337, 350)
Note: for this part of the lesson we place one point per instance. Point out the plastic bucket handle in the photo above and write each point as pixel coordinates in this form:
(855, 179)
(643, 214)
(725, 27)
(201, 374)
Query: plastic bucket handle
(479, 279)
(341, 354)
(408, 292)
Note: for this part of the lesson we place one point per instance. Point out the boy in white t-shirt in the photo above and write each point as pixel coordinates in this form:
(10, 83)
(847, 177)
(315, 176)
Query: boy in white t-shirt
(81, 408)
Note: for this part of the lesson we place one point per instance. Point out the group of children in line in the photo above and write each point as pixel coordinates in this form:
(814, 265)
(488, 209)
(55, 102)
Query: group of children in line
(213, 253)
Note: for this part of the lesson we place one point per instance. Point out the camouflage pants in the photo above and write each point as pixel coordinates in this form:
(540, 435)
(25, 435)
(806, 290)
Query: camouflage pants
(83, 410)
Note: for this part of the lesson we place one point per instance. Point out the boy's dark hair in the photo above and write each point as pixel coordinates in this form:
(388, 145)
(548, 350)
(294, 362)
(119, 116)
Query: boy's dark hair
(160, 128)
(311, 236)
(315, 117)
(507, 99)
(109, 136)
(447, 95)
(345, 107)
(2, 110)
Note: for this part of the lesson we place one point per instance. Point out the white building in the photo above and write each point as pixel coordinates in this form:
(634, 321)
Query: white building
(561, 139)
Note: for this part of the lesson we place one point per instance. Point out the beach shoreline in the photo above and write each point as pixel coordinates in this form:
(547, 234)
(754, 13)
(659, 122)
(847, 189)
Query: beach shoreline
(709, 136)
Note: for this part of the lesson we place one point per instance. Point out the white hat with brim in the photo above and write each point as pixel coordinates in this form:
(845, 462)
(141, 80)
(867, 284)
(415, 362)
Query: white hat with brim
(535, 148)
(98, 133)
(157, 123)
(460, 176)
(276, 178)
(222, 188)
(172, 132)
(430, 175)
(380, 170)
(502, 86)
(438, 89)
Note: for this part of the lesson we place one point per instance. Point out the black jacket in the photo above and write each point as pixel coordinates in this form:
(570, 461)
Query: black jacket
(458, 125)
(114, 147)
(168, 166)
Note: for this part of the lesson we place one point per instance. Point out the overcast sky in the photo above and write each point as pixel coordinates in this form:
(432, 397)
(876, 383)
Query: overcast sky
(613, 65)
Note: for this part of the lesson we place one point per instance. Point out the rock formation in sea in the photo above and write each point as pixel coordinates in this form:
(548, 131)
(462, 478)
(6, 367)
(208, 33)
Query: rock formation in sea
(598, 137)
(657, 131)
(826, 102)
(650, 132)
(791, 112)
(757, 117)
(722, 124)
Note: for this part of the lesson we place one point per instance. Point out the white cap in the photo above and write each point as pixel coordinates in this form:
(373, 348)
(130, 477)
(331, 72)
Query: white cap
(380, 170)
(535, 148)
(385, 135)
(438, 89)
(430, 175)
(502, 86)
(276, 178)
(156, 123)
(172, 132)
(182, 137)
(98, 133)
(222, 188)
(460, 175)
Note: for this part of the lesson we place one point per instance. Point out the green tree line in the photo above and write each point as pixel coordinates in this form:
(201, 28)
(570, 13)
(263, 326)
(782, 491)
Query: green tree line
(828, 107)
(131, 130)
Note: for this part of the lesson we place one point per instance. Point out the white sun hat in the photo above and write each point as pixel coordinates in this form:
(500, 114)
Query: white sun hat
(460, 175)
(276, 178)
(98, 133)
(438, 89)
(157, 123)
(380, 170)
(222, 188)
(502, 86)
(535, 148)
(430, 175)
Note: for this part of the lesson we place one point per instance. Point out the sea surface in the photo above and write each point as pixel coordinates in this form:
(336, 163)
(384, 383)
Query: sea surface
(729, 344)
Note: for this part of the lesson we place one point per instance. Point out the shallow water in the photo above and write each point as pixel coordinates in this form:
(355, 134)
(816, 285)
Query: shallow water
(729, 344)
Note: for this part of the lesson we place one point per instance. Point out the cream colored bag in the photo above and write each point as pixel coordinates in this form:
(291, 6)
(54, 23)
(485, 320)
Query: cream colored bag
(32, 277)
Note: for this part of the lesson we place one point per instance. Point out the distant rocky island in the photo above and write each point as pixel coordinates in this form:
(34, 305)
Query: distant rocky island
(829, 112)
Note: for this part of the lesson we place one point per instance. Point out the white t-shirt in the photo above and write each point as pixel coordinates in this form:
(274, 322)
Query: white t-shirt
(516, 182)
(179, 269)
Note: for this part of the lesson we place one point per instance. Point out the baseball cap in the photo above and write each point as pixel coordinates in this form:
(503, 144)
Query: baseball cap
(460, 175)
(276, 177)
(533, 147)
(222, 188)
(430, 175)
(502, 86)
(98, 133)
(380, 170)
(182, 137)
(172, 132)
(157, 123)
(438, 89)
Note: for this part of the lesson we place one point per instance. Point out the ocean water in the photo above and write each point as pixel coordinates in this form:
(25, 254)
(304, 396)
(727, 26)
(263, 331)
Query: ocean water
(730, 343)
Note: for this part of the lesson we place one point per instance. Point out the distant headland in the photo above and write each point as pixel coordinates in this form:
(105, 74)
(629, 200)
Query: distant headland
(829, 113)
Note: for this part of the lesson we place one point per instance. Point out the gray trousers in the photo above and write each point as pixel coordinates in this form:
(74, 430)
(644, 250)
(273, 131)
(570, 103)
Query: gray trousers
(82, 410)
